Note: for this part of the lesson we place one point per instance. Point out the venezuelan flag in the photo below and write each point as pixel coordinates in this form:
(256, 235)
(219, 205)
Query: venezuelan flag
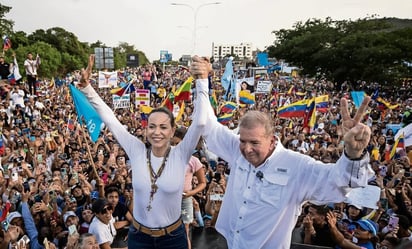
(399, 143)
(6, 43)
(246, 97)
(180, 113)
(228, 107)
(310, 117)
(297, 109)
(386, 103)
(322, 103)
(145, 109)
(225, 118)
(1, 145)
(213, 100)
(11, 79)
(291, 89)
(128, 88)
(144, 119)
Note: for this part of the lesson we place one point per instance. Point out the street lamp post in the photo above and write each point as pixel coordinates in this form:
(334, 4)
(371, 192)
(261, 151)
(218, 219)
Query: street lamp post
(195, 12)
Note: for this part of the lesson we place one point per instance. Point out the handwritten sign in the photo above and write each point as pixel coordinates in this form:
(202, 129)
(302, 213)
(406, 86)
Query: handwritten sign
(365, 197)
(263, 87)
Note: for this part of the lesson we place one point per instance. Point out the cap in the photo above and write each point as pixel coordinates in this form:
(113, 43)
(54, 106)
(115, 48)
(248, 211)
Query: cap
(75, 186)
(67, 215)
(207, 217)
(368, 225)
(221, 163)
(356, 206)
(13, 215)
(98, 205)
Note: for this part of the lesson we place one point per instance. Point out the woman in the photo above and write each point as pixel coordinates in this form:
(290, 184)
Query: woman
(354, 212)
(157, 170)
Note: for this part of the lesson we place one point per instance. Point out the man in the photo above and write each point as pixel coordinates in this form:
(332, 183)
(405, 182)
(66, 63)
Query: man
(102, 225)
(269, 183)
(17, 96)
(316, 229)
(31, 67)
(121, 215)
(4, 69)
(70, 218)
(404, 233)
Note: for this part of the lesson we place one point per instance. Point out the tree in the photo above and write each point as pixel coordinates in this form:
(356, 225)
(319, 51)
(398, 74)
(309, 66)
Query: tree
(6, 26)
(365, 49)
(50, 58)
(60, 50)
(121, 52)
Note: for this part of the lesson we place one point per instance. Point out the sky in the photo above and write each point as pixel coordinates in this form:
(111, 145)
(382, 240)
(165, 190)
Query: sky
(154, 25)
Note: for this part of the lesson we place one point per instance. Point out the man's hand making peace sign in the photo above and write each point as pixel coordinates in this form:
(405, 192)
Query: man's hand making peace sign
(355, 134)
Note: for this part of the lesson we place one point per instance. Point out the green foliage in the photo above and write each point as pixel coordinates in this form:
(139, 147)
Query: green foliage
(366, 49)
(61, 51)
(6, 26)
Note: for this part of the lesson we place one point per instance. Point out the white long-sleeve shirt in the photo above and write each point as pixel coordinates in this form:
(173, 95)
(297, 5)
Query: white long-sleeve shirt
(166, 205)
(261, 213)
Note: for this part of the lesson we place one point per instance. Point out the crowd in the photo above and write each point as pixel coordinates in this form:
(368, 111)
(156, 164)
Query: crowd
(60, 190)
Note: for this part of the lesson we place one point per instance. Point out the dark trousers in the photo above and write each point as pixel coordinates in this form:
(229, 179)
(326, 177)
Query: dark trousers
(31, 81)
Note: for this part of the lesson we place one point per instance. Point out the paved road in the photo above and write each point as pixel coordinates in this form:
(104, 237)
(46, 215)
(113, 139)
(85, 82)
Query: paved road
(210, 239)
(207, 238)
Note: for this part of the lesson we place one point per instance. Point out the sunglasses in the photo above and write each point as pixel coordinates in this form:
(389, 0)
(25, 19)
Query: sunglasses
(106, 209)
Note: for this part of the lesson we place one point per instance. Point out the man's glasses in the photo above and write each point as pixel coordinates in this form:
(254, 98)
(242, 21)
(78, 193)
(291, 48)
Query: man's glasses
(106, 209)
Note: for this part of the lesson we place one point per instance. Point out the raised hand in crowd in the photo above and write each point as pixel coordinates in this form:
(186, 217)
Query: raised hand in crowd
(356, 135)
(86, 73)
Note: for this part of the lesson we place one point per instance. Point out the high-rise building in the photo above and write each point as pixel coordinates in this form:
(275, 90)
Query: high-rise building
(243, 51)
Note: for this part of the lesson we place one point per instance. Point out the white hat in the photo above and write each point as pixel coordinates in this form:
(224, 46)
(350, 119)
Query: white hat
(13, 215)
(67, 215)
(356, 206)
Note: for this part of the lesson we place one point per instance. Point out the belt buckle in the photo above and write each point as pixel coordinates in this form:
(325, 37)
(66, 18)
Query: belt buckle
(157, 232)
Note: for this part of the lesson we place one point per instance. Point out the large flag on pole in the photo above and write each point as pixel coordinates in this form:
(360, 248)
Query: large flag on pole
(310, 116)
(399, 143)
(227, 75)
(126, 89)
(86, 111)
(407, 132)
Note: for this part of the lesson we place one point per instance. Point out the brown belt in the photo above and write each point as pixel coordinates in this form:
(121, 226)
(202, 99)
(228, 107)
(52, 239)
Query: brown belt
(157, 232)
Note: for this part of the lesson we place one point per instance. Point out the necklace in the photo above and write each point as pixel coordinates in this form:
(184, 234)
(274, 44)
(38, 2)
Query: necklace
(155, 175)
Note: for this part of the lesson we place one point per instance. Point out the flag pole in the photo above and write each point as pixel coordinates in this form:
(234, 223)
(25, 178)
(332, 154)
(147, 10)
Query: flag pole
(88, 151)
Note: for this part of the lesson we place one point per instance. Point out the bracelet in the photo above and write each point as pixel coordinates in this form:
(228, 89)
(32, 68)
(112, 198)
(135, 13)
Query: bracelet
(358, 158)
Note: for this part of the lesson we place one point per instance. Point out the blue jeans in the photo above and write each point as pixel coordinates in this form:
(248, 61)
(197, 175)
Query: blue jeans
(174, 240)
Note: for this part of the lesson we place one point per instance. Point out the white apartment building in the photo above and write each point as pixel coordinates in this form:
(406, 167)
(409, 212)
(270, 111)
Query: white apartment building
(243, 51)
